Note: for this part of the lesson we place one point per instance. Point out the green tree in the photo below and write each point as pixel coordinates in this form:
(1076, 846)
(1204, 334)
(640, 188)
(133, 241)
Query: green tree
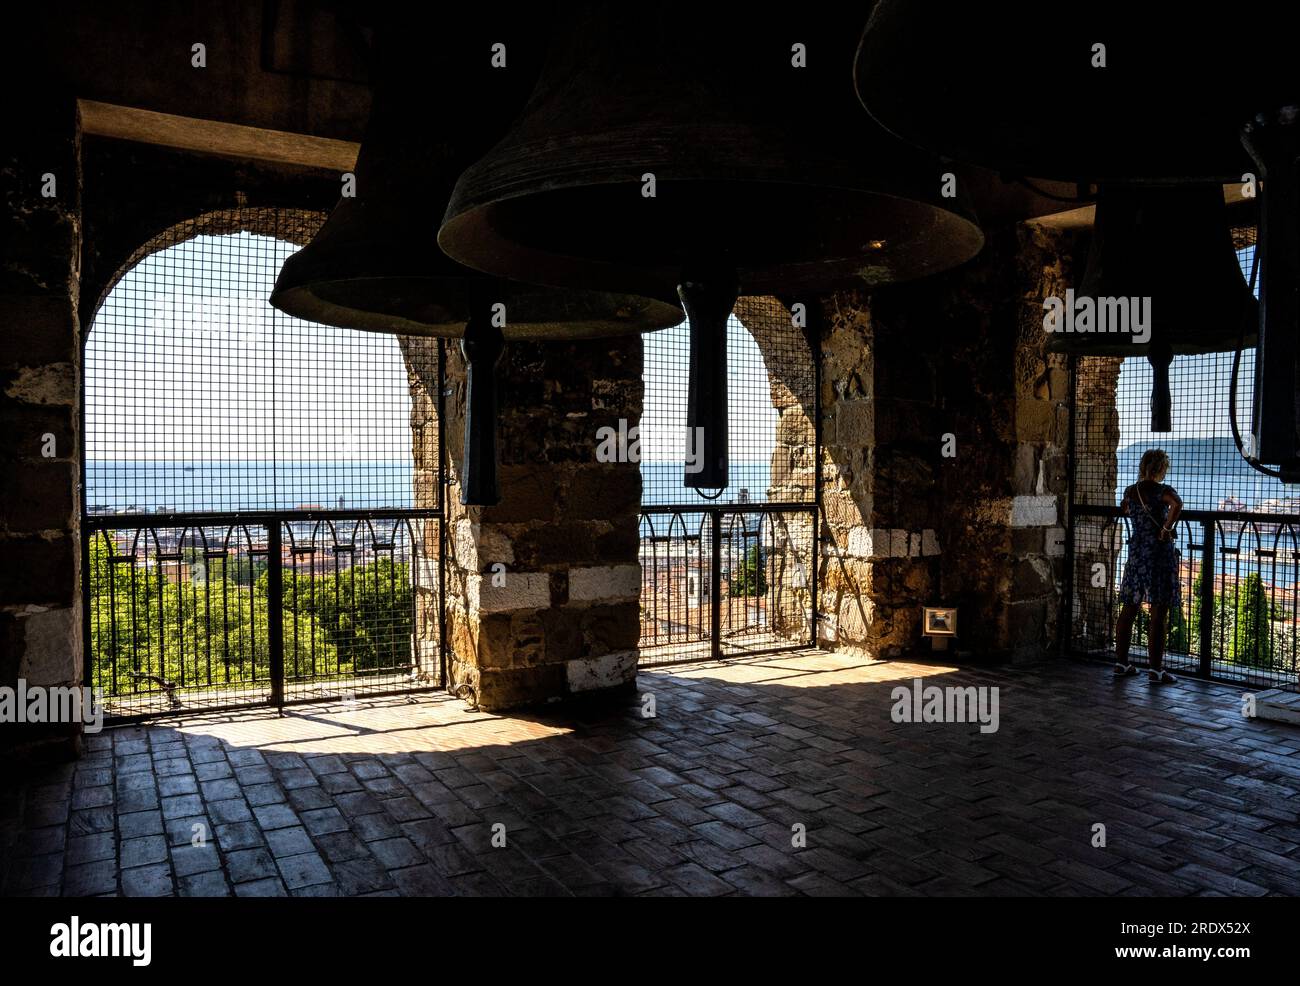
(208, 627)
(1252, 636)
(1179, 634)
(751, 579)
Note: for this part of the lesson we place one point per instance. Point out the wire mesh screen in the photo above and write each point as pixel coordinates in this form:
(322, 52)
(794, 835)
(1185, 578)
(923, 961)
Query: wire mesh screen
(360, 606)
(262, 493)
(201, 397)
(189, 618)
(1238, 569)
(725, 572)
(770, 393)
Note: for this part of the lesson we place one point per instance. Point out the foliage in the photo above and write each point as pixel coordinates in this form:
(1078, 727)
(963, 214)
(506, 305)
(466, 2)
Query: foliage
(204, 622)
(750, 580)
(1252, 636)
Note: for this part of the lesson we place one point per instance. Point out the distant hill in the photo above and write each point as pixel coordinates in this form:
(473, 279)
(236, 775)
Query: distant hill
(1204, 471)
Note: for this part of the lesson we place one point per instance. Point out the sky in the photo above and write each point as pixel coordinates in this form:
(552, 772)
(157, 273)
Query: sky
(186, 360)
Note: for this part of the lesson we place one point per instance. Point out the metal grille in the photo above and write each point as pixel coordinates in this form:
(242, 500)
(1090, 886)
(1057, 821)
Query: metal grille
(263, 495)
(201, 397)
(1239, 566)
(728, 572)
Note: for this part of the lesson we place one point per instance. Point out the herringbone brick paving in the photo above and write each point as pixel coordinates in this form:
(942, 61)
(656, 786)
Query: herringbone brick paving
(398, 797)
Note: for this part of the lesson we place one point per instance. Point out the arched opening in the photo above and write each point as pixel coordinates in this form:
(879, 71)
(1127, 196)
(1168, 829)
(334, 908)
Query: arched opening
(731, 572)
(262, 499)
(1239, 566)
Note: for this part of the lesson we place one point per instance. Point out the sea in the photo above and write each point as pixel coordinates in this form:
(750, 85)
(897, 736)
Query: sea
(211, 486)
(1209, 474)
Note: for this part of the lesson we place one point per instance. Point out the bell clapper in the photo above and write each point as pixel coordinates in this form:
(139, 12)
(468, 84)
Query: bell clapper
(708, 296)
(482, 347)
(1160, 355)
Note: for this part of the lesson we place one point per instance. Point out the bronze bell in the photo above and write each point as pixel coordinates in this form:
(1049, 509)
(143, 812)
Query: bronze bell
(1161, 263)
(1129, 93)
(375, 263)
(679, 149)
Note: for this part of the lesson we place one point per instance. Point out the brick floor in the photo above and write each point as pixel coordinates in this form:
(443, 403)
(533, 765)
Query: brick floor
(709, 797)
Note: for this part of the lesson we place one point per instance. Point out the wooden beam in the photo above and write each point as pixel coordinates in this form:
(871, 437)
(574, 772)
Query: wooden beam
(213, 137)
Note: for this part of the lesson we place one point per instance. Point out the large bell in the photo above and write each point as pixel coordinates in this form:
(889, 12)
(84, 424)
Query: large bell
(375, 263)
(1120, 93)
(1162, 265)
(678, 148)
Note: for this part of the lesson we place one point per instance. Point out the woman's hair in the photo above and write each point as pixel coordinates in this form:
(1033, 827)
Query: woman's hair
(1154, 464)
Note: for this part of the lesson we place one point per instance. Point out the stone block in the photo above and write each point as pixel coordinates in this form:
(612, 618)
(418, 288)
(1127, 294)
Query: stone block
(1026, 627)
(864, 542)
(501, 689)
(855, 424)
(898, 544)
(37, 495)
(1027, 540)
(601, 490)
(26, 425)
(39, 570)
(607, 582)
(51, 383)
(478, 546)
(596, 673)
(1035, 421)
(929, 543)
(52, 647)
(610, 627)
(529, 493)
(1055, 542)
(1033, 511)
(40, 330)
(1031, 577)
(520, 590)
(1025, 476)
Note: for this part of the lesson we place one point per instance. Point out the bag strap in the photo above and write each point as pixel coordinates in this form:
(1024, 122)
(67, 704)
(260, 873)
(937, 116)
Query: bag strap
(1137, 490)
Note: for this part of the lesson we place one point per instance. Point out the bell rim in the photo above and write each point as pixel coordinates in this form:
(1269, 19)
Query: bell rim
(470, 237)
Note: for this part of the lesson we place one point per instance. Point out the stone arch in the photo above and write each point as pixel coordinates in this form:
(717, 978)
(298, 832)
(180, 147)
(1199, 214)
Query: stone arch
(793, 386)
(292, 225)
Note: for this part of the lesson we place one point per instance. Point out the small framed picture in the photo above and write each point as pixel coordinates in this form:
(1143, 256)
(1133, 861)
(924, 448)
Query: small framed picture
(940, 621)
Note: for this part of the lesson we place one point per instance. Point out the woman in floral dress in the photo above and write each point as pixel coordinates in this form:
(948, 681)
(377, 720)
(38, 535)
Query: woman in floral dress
(1151, 574)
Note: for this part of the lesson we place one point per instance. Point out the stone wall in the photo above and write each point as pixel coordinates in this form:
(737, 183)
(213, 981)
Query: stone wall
(945, 432)
(421, 357)
(792, 384)
(543, 589)
(1096, 540)
(40, 405)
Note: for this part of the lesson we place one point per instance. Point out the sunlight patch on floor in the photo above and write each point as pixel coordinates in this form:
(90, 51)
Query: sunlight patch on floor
(811, 669)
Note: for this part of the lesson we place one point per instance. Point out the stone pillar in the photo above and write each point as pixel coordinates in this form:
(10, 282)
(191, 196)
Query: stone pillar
(878, 444)
(40, 399)
(792, 385)
(543, 589)
(1040, 481)
(944, 441)
(1096, 540)
(421, 357)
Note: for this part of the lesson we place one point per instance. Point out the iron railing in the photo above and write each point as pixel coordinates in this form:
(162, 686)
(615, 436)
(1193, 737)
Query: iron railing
(726, 581)
(262, 496)
(211, 612)
(1239, 613)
